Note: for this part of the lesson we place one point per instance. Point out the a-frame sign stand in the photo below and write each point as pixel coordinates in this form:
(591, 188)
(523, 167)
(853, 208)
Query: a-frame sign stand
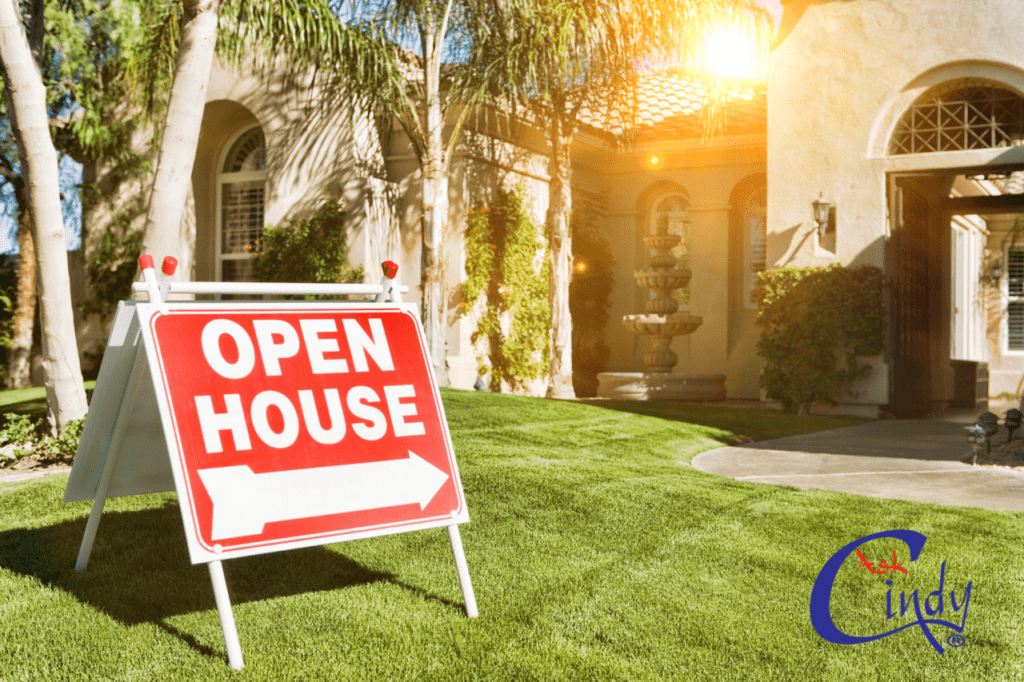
(225, 403)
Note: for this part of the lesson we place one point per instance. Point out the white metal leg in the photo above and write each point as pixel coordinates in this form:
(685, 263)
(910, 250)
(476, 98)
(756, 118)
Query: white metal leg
(463, 569)
(227, 618)
(110, 463)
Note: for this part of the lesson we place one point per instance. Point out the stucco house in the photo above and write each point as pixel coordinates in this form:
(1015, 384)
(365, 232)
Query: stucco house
(906, 117)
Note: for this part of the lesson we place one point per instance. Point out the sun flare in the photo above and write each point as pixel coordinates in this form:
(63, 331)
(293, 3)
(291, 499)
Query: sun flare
(730, 54)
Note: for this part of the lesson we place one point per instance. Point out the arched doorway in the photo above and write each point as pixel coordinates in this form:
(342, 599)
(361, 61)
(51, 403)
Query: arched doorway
(939, 212)
(232, 188)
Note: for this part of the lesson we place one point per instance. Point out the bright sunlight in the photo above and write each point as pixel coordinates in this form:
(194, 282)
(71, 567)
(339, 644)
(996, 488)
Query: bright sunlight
(730, 54)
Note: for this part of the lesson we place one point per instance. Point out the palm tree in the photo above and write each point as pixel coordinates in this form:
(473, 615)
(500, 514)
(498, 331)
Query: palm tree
(559, 58)
(180, 133)
(360, 64)
(20, 56)
(437, 83)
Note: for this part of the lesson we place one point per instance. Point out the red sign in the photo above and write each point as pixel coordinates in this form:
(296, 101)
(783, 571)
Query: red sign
(301, 424)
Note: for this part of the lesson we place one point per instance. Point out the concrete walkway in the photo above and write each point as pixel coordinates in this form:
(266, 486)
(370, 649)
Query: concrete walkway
(894, 459)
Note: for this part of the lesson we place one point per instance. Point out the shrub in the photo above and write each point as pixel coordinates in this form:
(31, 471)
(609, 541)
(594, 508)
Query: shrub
(808, 316)
(20, 438)
(308, 250)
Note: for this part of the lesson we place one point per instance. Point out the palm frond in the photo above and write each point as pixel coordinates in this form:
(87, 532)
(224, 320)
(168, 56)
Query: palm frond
(152, 70)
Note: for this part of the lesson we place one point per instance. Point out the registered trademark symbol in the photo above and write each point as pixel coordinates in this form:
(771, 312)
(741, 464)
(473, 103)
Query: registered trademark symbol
(956, 640)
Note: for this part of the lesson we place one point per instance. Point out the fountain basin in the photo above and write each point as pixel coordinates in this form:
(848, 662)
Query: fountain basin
(662, 278)
(674, 324)
(662, 242)
(661, 386)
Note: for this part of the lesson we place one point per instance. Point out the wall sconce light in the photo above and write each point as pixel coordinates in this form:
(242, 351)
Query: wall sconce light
(824, 215)
(990, 276)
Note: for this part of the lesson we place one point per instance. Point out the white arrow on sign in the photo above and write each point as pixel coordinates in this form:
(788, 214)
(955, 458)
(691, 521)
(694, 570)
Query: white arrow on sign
(243, 501)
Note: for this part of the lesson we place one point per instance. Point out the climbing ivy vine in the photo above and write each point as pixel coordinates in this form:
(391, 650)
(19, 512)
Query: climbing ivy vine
(504, 265)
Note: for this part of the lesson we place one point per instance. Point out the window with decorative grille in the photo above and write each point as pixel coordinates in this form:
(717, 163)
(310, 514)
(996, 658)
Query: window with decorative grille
(1015, 298)
(242, 183)
(961, 116)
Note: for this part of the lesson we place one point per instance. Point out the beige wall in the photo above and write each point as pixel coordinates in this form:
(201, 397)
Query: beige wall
(844, 73)
(313, 154)
(714, 179)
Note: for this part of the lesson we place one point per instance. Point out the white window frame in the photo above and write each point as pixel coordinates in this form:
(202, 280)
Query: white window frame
(224, 178)
(1009, 299)
(967, 321)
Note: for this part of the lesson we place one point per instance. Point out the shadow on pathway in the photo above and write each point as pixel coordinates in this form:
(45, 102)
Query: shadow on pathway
(918, 460)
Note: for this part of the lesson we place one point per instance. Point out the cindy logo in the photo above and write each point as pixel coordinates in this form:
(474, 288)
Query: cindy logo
(935, 604)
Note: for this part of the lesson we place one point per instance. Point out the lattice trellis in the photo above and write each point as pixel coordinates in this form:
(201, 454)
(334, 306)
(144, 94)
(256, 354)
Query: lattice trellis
(966, 115)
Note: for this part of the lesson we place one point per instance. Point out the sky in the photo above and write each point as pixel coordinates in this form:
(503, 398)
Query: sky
(71, 175)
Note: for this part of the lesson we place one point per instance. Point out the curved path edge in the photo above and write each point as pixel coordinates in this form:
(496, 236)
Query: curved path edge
(915, 461)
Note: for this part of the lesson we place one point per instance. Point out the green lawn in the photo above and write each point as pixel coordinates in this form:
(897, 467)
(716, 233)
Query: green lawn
(30, 401)
(596, 553)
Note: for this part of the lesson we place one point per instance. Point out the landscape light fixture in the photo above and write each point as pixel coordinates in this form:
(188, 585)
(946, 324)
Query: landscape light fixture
(1012, 421)
(990, 424)
(823, 215)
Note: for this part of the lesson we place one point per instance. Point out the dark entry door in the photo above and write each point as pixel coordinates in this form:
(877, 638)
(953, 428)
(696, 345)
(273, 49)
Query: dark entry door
(910, 370)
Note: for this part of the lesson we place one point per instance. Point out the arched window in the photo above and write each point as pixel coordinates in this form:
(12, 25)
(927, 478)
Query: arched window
(241, 186)
(965, 114)
(755, 220)
(671, 215)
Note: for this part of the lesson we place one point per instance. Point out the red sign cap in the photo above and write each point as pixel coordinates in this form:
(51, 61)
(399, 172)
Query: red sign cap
(170, 265)
(390, 268)
(146, 261)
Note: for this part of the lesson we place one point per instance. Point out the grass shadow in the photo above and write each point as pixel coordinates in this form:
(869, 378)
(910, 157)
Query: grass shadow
(736, 424)
(32, 401)
(140, 571)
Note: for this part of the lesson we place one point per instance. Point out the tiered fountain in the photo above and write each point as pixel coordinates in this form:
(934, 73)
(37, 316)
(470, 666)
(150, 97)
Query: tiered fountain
(662, 323)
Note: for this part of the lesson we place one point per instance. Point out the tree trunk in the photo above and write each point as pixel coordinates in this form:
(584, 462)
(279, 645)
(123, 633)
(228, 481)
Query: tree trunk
(560, 241)
(26, 97)
(435, 217)
(162, 236)
(19, 366)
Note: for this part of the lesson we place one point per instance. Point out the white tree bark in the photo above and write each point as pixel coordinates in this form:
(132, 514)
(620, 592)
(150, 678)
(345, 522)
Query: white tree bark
(26, 97)
(163, 232)
(559, 218)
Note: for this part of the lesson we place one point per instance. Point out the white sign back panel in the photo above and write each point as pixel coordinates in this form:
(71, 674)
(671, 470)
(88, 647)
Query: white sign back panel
(145, 466)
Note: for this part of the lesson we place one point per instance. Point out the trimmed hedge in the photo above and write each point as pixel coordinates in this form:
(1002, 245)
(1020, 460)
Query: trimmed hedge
(808, 317)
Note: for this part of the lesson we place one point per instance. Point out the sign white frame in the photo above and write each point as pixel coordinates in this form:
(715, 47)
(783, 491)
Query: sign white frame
(129, 415)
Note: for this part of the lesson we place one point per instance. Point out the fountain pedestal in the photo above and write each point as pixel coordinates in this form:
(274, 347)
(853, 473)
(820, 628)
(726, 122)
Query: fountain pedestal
(662, 323)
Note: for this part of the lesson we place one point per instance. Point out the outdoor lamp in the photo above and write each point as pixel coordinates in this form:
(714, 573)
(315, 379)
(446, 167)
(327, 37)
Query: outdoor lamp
(975, 437)
(823, 215)
(991, 274)
(990, 423)
(1013, 419)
